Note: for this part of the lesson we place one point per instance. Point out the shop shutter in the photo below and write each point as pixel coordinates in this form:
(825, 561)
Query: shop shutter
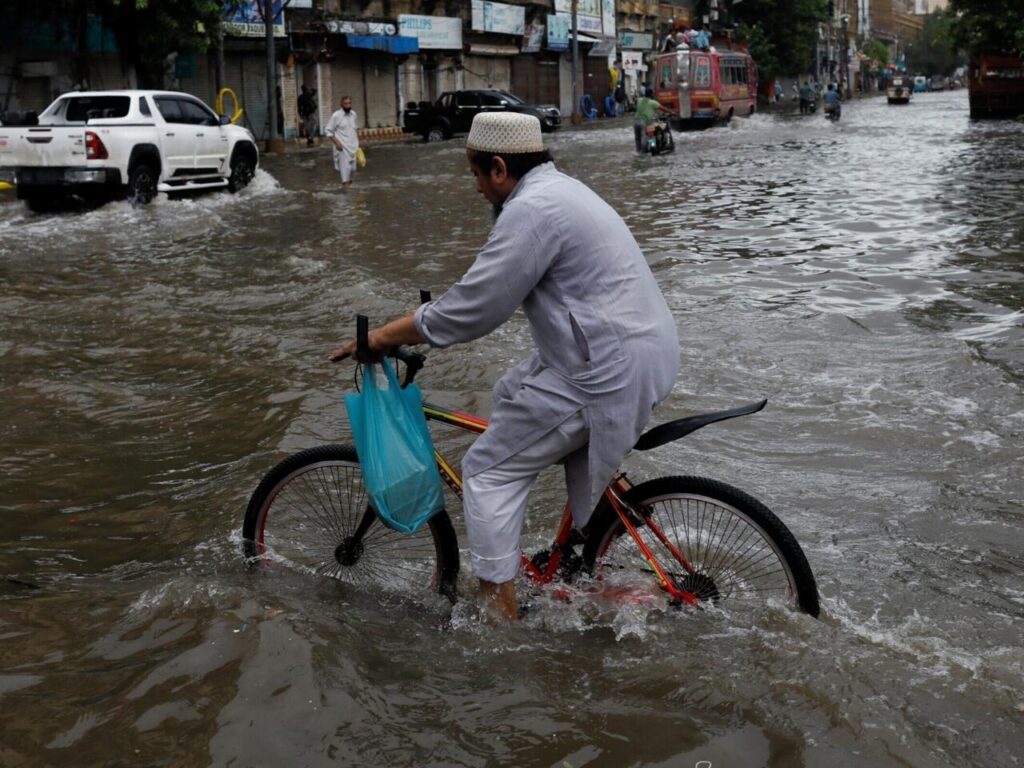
(246, 75)
(535, 79)
(487, 72)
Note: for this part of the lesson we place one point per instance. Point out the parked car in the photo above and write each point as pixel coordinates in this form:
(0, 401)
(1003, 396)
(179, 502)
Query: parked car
(102, 145)
(938, 83)
(454, 111)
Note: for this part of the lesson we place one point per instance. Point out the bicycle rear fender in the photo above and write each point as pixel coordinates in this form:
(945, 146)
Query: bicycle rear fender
(674, 430)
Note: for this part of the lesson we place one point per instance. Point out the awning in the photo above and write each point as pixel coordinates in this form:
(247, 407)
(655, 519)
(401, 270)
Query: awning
(603, 47)
(388, 43)
(493, 50)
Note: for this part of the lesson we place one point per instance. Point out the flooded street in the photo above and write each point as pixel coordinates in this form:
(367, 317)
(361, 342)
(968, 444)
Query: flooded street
(867, 277)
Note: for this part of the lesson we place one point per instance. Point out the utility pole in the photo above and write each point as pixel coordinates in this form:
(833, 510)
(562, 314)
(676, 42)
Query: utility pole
(577, 118)
(845, 66)
(274, 142)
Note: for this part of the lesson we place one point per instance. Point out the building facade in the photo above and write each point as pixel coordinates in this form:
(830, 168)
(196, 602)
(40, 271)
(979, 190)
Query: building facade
(382, 53)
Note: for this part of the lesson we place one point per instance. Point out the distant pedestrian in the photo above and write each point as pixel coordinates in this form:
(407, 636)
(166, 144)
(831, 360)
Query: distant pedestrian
(806, 96)
(280, 111)
(778, 91)
(341, 130)
(307, 111)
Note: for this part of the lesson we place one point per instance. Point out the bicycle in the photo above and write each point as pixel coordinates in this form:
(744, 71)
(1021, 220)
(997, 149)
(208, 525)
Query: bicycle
(701, 540)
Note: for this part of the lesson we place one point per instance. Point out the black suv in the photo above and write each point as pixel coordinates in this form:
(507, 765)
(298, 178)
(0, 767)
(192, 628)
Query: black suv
(454, 111)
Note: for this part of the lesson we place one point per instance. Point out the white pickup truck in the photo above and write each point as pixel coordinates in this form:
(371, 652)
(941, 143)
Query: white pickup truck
(103, 145)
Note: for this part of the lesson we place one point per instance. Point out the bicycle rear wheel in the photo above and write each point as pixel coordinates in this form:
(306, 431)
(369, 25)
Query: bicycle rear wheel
(311, 511)
(739, 552)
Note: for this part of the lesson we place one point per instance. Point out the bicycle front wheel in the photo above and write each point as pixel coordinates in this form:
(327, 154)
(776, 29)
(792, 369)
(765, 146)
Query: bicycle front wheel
(713, 541)
(312, 511)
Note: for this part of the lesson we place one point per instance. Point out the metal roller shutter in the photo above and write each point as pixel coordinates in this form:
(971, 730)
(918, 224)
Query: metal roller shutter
(535, 79)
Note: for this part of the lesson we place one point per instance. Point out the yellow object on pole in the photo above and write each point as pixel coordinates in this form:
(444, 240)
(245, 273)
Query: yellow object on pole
(219, 104)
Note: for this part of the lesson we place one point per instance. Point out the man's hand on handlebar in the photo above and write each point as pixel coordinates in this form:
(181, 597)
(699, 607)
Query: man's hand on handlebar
(380, 341)
(377, 351)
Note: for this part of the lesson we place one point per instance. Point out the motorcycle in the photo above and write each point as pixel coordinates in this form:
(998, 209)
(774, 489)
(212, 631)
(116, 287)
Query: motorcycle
(658, 139)
(833, 112)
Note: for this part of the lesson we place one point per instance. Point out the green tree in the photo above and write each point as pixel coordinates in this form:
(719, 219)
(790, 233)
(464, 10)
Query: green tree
(988, 26)
(876, 50)
(934, 51)
(781, 34)
(146, 31)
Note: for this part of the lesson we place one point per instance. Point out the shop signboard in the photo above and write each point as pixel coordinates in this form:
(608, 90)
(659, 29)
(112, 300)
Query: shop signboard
(558, 33)
(245, 19)
(533, 38)
(636, 41)
(588, 15)
(633, 61)
(501, 18)
(343, 27)
(433, 32)
(608, 18)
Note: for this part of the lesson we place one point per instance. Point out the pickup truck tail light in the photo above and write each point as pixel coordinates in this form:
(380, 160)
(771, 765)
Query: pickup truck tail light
(94, 149)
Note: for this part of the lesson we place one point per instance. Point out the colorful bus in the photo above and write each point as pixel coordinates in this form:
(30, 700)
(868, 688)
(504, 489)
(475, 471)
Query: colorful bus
(995, 86)
(702, 87)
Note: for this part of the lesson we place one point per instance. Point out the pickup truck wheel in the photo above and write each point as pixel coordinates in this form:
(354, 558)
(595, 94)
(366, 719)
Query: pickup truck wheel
(242, 172)
(40, 203)
(436, 133)
(141, 184)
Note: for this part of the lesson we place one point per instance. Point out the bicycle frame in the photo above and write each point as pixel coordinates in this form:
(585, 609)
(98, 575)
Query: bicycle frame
(613, 494)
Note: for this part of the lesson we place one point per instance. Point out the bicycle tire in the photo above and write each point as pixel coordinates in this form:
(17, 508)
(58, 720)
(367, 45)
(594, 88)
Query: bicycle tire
(306, 509)
(740, 551)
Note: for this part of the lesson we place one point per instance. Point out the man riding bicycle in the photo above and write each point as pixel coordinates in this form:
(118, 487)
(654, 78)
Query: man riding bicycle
(606, 346)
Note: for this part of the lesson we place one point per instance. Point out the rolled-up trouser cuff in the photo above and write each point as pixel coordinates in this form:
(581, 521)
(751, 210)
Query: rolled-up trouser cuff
(495, 500)
(496, 570)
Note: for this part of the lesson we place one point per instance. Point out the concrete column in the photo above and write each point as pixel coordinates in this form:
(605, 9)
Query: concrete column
(289, 100)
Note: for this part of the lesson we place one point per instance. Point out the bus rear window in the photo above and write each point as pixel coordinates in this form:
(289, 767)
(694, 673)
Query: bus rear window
(82, 108)
(702, 72)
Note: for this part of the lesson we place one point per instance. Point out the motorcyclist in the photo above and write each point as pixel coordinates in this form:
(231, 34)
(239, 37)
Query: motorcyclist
(832, 102)
(806, 98)
(647, 108)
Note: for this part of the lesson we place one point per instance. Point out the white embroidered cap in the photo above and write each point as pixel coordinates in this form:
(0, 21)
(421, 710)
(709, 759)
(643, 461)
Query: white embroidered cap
(505, 133)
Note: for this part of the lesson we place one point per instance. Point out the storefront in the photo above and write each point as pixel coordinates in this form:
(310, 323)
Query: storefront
(535, 77)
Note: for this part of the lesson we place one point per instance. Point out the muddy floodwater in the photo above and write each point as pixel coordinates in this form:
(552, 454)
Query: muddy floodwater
(865, 277)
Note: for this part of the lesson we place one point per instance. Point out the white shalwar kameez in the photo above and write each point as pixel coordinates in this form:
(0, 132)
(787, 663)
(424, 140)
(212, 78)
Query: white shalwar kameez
(606, 353)
(344, 128)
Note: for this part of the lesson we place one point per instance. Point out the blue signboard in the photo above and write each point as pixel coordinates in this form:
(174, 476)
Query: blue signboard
(558, 32)
(245, 19)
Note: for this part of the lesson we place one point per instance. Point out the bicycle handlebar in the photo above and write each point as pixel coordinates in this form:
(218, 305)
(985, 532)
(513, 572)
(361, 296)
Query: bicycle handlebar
(414, 361)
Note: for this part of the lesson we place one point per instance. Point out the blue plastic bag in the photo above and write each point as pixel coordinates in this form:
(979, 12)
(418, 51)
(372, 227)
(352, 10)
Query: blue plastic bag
(394, 448)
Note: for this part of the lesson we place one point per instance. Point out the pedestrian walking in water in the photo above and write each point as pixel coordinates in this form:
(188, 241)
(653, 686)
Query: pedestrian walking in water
(307, 111)
(341, 130)
(778, 91)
